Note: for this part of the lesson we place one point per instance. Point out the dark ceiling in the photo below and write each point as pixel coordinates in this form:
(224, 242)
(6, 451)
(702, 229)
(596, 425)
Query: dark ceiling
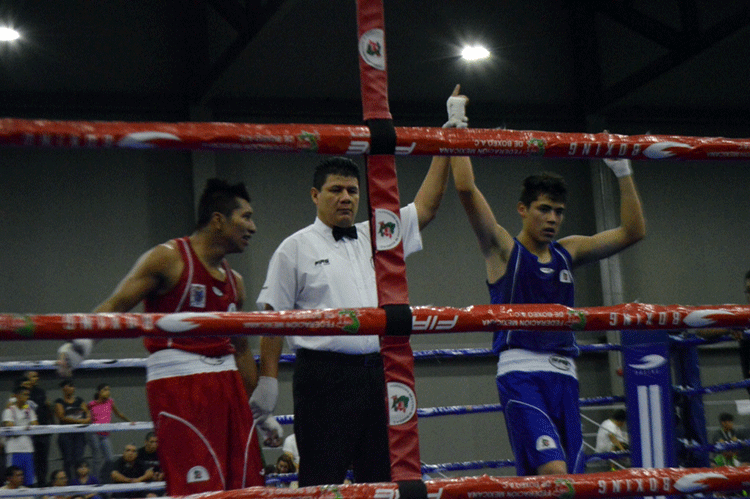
(296, 60)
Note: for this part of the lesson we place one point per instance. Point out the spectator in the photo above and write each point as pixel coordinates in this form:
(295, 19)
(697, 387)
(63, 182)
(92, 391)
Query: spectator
(20, 448)
(290, 448)
(284, 465)
(726, 434)
(149, 457)
(43, 410)
(726, 431)
(71, 409)
(128, 469)
(14, 480)
(101, 409)
(84, 477)
(611, 437)
(59, 478)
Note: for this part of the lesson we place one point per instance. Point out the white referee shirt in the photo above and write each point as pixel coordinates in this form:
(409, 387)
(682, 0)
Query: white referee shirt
(311, 270)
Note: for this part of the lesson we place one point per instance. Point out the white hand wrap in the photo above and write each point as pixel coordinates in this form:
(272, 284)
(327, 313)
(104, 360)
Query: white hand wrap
(456, 112)
(73, 353)
(264, 397)
(620, 167)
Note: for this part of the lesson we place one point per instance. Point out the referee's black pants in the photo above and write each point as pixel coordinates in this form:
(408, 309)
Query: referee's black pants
(340, 418)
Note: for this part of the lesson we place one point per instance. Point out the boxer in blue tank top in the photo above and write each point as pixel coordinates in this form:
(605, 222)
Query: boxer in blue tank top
(536, 374)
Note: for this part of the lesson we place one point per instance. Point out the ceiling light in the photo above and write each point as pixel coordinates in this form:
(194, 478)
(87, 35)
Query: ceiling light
(475, 53)
(8, 34)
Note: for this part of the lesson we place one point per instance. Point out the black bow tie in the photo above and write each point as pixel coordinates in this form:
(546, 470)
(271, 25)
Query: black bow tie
(339, 232)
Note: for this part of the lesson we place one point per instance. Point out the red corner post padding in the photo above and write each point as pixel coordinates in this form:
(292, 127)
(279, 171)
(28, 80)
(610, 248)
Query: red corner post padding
(372, 64)
(388, 253)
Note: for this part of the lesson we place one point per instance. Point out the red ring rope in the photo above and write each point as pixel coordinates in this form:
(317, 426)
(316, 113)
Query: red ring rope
(342, 139)
(425, 320)
(625, 483)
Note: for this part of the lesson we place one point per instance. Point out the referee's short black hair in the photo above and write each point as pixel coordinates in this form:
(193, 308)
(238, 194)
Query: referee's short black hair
(334, 166)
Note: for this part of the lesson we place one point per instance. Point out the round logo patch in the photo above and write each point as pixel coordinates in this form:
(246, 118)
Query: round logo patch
(387, 229)
(372, 48)
(560, 363)
(402, 403)
(197, 474)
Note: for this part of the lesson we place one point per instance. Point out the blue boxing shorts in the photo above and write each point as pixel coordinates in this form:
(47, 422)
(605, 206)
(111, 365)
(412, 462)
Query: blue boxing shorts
(539, 393)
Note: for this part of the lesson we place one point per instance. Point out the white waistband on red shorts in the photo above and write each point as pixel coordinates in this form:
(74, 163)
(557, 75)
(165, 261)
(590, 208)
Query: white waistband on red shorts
(170, 363)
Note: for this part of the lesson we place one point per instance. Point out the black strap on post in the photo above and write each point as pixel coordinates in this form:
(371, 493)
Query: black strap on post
(382, 136)
(397, 320)
(412, 489)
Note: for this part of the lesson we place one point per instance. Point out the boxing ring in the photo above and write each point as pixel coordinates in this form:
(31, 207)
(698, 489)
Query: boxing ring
(427, 320)
(394, 320)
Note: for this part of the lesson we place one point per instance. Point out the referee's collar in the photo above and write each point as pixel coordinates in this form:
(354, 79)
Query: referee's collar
(325, 230)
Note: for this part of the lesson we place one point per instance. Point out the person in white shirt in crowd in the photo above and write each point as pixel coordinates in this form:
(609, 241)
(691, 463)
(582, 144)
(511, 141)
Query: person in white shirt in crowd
(611, 437)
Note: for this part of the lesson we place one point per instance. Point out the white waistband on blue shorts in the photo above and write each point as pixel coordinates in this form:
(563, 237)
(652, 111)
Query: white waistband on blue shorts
(170, 363)
(518, 359)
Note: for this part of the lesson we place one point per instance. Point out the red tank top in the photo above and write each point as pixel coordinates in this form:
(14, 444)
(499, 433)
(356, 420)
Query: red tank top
(196, 291)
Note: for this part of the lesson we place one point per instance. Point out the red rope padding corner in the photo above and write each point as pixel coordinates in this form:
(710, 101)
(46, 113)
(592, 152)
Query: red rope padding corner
(343, 139)
(387, 249)
(625, 483)
(425, 320)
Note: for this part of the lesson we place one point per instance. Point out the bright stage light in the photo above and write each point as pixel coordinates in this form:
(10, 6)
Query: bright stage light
(8, 34)
(475, 53)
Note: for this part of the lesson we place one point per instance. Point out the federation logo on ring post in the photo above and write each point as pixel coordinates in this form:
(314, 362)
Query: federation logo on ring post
(402, 403)
(387, 229)
(372, 48)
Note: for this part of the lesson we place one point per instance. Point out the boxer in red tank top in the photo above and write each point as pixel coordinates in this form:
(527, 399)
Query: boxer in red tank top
(197, 388)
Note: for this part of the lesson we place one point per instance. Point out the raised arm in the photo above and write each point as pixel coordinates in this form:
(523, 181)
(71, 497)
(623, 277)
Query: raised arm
(584, 249)
(430, 194)
(495, 242)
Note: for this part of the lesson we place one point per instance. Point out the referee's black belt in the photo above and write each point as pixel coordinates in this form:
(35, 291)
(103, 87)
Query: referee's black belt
(344, 359)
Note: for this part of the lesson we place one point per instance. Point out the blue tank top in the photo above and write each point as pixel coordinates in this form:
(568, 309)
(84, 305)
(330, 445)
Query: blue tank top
(528, 281)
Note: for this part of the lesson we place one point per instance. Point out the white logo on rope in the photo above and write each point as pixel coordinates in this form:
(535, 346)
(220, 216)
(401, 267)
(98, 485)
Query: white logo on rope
(661, 150)
(433, 322)
(700, 318)
(696, 481)
(180, 322)
(142, 140)
(395, 494)
(363, 147)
